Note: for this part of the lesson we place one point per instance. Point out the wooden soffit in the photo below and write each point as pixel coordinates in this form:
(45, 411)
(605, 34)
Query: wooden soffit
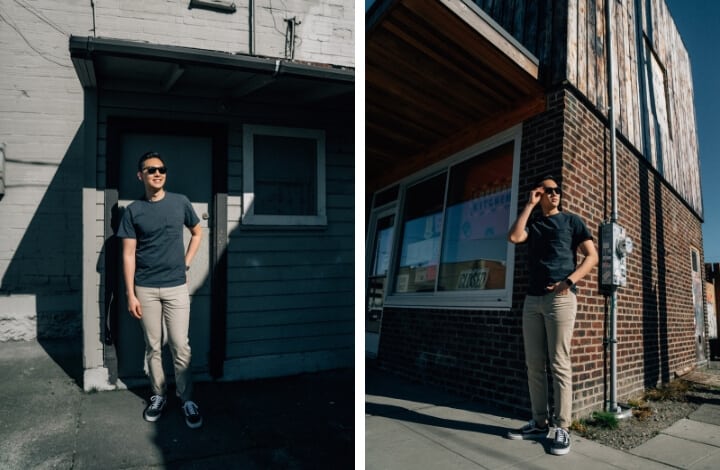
(440, 76)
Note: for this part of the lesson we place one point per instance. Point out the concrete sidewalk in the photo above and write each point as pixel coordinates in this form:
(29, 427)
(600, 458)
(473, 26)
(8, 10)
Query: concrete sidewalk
(47, 421)
(420, 427)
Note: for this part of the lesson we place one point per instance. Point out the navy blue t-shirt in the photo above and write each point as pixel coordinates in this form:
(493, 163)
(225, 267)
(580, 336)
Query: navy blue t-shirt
(552, 250)
(158, 228)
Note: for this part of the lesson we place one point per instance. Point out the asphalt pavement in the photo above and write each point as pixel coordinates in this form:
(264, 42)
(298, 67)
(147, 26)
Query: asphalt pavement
(48, 422)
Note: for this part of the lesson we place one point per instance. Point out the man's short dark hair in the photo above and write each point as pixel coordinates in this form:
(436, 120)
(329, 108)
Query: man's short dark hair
(147, 156)
(547, 177)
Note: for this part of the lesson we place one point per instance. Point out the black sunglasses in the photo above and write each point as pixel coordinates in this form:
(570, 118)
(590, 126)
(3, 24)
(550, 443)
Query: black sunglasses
(152, 169)
(555, 190)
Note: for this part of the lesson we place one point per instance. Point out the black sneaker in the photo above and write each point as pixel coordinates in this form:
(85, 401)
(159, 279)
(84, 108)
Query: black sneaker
(192, 415)
(154, 410)
(561, 444)
(530, 431)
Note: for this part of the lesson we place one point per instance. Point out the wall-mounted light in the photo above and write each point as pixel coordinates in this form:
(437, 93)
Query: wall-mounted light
(2, 170)
(224, 6)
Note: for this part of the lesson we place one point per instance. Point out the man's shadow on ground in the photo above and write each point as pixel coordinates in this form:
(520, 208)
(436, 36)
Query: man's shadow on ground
(404, 414)
(303, 421)
(421, 397)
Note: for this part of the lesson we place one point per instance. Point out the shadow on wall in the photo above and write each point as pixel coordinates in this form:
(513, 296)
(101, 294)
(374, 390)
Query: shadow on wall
(654, 290)
(47, 263)
(655, 311)
(109, 291)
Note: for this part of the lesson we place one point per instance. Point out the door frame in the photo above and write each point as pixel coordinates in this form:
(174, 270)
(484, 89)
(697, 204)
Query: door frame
(699, 304)
(218, 133)
(371, 240)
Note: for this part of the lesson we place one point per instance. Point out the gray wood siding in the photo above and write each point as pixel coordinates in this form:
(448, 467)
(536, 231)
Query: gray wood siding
(291, 290)
(569, 39)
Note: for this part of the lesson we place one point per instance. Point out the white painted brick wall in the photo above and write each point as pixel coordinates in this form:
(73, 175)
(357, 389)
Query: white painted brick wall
(22, 318)
(172, 22)
(41, 102)
(17, 318)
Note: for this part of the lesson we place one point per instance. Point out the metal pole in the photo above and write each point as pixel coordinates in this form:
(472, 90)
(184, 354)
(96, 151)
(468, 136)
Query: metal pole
(614, 209)
(613, 406)
(251, 27)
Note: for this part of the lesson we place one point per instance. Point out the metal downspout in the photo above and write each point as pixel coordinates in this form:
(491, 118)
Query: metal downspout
(613, 405)
(251, 26)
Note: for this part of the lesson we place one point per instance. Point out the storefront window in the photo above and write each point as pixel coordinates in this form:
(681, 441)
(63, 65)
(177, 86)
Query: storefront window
(474, 249)
(422, 225)
(453, 247)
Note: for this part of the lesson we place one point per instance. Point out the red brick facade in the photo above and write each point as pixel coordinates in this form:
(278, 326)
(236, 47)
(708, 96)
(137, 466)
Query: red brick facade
(480, 353)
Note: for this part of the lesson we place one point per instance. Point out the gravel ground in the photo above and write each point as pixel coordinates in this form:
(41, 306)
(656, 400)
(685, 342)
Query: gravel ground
(670, 404)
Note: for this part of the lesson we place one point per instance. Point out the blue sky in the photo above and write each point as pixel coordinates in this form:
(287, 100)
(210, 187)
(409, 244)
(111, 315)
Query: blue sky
(699, 22)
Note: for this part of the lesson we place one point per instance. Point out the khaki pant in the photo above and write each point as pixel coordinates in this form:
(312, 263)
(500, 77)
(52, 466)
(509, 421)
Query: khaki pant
(166, 316)
(548, 323)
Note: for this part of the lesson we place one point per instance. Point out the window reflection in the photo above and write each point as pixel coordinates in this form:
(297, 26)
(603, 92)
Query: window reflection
(457, 241)
(474, 249)
(422, 225)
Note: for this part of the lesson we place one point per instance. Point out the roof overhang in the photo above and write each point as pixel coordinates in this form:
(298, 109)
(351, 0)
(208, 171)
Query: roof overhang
(123, 65)
(440, 76)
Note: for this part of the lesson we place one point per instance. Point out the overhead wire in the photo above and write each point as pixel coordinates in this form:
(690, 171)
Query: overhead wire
(5, 17)
(40, 15)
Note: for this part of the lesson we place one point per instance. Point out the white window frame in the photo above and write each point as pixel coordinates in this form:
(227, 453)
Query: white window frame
(248, 214)
(495, 299)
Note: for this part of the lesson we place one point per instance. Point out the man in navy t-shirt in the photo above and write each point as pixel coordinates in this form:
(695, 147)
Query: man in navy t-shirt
(155, 265)
(553, 239)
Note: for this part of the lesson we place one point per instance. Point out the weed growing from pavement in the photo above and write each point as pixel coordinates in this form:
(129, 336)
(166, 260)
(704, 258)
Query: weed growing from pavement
(672, 391)
(654, 410)
(598, 419)
(605, 419)
(675, 391)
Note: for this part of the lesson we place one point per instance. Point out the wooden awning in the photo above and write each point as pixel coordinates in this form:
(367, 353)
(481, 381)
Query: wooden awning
(440, 76)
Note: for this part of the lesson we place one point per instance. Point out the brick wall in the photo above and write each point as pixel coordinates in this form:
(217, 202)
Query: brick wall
(41, 126)
(655, 317)
(480, 353)
(324, 31)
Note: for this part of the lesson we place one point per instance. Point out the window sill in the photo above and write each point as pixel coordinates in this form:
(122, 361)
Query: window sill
(451, 301)
(284, 221)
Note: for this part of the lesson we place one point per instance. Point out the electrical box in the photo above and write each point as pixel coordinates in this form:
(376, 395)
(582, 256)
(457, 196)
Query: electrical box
(615, 246)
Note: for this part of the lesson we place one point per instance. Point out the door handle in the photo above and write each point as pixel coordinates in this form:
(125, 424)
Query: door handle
(205, 216)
